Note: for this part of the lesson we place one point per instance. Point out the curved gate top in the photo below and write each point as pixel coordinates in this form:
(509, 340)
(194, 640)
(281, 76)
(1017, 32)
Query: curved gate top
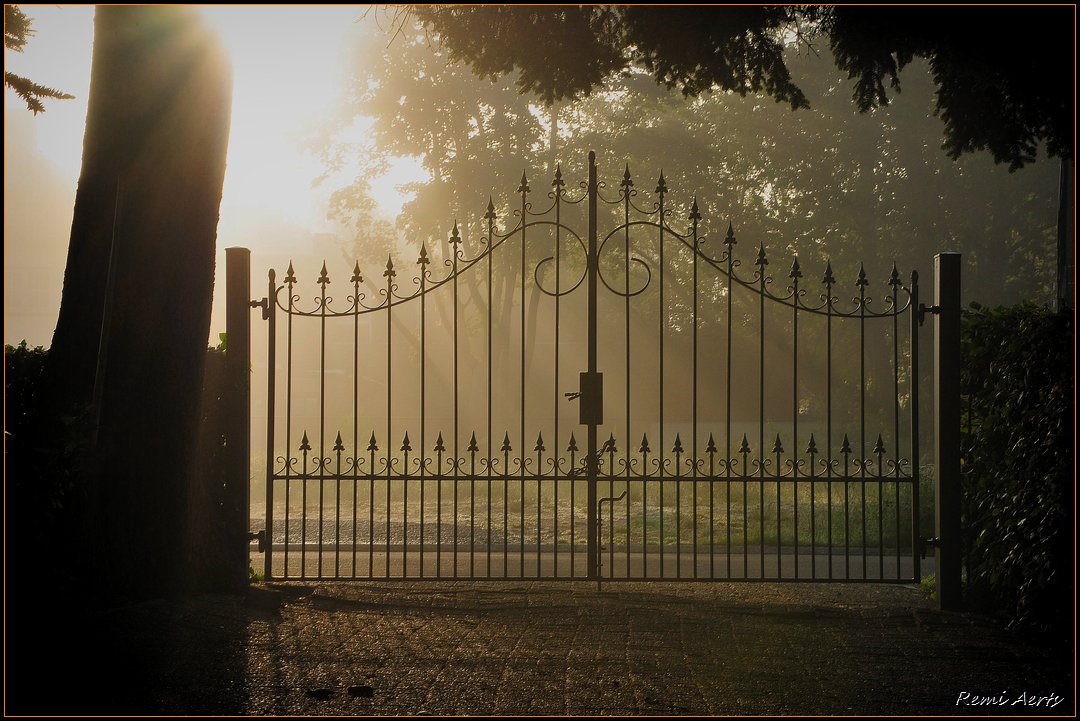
(593, 388)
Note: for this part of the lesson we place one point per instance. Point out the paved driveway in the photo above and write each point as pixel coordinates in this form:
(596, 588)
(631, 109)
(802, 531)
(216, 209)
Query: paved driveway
(560, 648)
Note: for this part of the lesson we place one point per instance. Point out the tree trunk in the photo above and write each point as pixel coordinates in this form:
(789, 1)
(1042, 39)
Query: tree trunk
(135, 312)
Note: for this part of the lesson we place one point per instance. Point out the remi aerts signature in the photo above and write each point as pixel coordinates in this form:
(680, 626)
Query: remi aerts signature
(966, 698)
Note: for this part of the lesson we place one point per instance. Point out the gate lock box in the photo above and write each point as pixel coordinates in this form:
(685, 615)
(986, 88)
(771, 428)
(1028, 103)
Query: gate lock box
(591, 387)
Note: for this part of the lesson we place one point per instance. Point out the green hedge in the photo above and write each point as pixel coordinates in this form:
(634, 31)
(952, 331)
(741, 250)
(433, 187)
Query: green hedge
(1017, 383)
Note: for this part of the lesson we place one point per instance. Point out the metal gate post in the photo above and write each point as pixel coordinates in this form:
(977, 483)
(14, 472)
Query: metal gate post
(591, 458)
(947, 428)
(237, 407)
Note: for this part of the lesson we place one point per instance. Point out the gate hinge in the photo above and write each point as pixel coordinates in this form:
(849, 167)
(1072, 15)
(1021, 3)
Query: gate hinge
(926, 543)
(265, 305)
(924, 309)
(261, 538)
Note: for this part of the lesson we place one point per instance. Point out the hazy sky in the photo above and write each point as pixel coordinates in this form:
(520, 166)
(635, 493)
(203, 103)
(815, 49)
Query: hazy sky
(288, 65)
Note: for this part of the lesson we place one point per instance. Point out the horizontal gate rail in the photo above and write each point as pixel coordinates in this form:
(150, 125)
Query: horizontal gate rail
(809, 497)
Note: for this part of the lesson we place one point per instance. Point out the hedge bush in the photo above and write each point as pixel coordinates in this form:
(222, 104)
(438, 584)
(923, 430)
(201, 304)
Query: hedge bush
(1017, 384)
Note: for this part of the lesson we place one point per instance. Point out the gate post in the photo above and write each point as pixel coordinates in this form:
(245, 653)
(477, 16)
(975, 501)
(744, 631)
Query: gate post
(237, 410)
(947, 429)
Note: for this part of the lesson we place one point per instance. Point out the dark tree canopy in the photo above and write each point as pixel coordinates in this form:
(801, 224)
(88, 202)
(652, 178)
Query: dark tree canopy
(1002, 74)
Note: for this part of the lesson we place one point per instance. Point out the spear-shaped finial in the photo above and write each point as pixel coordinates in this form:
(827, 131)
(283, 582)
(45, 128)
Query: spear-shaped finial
(729, 239)
(811, 447)
(626, 181)
(490, 214)
(324, 277)
(304, 445)
(290, 275)
(539, 448)
(506, 443)
(777, 446)
(338, 445)
(473, 447)
(710, 448)
(894, 277)
(661, 184)
(524, 187)
(677, 448)
(558, 182)
(796, 272)
(761, 259)
(695, 216)
(828, 278)
(644, 444)
(745, 447)
(372, 445)
(423, 259)
(455, 236)
(879, 447)
(356, 276)
(845, 448)
(389, 272)
(440, 447)
(405, 444)
(862, 281)
(572, 447)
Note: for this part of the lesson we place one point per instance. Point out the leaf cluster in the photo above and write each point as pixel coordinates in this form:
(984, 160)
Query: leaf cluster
(17, 31)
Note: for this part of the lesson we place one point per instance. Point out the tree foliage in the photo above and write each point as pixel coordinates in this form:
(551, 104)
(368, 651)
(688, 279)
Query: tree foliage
(821, 183)
(1004, 99)
(17, 31)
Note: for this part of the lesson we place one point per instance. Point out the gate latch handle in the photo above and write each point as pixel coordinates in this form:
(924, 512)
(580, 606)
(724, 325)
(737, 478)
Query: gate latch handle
(572, 395)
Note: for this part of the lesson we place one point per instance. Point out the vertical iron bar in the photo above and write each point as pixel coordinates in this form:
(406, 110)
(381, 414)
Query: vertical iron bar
(322, 414)
(271, 379)
(457, 457)
(303, 512)
(947, 428)
(694, 412)
(626, 325)
(389, 273)
(913, 310)
(591, 458)
(521, 449)
(727, 410)
(761, 409)
(356, 409)
(828, 280)
(796, 274)
(490, 217)
(862, 411)
(371, 508)
(290, 279)
(896, 410)
(555, 403)
(423, 400)
(660, 456)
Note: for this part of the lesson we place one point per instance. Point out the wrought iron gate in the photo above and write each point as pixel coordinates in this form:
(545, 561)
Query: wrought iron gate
(711, 469)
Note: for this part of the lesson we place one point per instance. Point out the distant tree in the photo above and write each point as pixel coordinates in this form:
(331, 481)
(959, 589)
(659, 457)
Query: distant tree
(1001, 73)
(17, 31)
